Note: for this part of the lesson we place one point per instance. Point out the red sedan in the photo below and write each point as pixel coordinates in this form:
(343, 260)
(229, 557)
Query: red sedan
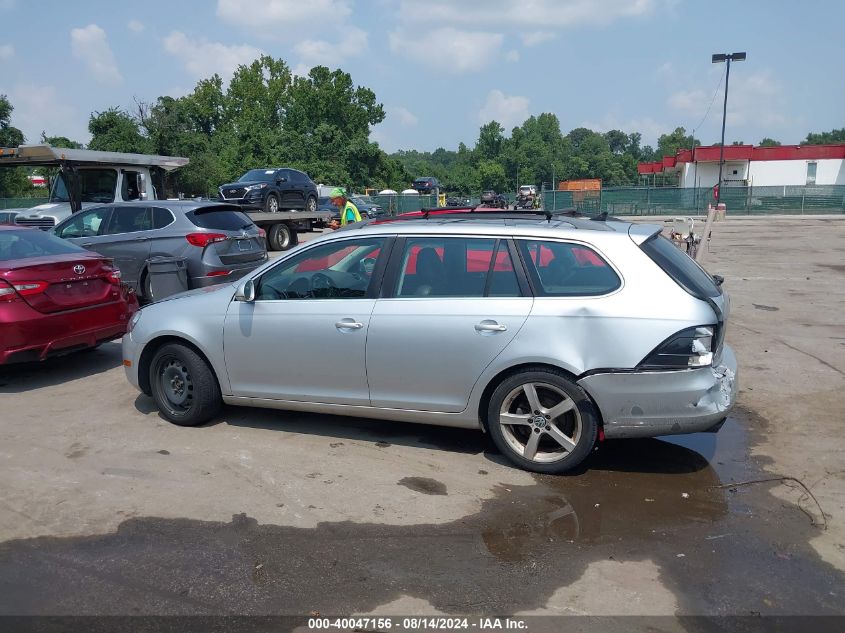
(56, 297)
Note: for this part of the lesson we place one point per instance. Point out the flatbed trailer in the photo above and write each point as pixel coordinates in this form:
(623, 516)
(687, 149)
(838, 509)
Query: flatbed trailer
(283, 227)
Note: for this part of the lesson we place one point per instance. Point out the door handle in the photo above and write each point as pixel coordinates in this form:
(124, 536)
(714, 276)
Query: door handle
(348, 324)
(87, 244)
(490, 326)
(142, 239)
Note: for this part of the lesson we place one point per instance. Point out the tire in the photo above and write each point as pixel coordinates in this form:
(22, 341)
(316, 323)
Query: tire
(537, 427)
(147, 287)
(280, 237)
(311, 205)
(271, 204)
(184, 387)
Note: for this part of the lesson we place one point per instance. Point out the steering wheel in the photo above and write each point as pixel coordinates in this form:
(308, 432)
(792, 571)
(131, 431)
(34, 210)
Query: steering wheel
(320, 282)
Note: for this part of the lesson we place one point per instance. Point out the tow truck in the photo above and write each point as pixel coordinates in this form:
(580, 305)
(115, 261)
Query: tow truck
(87, 178)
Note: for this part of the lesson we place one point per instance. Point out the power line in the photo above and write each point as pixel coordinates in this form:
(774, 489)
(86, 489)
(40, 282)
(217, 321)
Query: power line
(715, 92)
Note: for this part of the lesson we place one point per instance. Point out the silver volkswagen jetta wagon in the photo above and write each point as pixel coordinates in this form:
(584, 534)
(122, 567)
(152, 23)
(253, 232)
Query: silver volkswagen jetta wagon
(544, 331)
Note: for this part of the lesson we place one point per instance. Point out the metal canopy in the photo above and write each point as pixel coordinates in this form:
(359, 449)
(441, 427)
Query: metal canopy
(47, 155)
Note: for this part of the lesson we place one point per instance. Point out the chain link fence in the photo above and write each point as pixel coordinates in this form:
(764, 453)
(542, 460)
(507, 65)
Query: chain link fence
(810, 199)
(20, 203)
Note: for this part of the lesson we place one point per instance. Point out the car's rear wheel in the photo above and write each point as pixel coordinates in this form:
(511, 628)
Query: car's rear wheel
(183, 385)
(542, 421)
(311, 205)
(271, 205)
(147, 287)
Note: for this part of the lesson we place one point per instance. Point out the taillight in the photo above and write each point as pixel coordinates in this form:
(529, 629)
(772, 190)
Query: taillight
(204, 239)
(262, 233)
(219, 273)
(8, 291)
(688, 349)
(114, 277)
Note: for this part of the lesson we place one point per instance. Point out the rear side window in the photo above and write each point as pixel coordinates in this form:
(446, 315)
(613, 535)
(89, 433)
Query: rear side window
(162, 218)
(219, 219)
(560, 269)
(129, 220)
(680, 267)
(456, 267)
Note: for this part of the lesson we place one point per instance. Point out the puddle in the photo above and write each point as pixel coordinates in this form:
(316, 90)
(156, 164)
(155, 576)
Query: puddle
(424, 485)
(719, 552)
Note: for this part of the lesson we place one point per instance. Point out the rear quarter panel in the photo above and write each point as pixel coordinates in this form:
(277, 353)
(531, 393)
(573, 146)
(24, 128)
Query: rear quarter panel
(617, 330)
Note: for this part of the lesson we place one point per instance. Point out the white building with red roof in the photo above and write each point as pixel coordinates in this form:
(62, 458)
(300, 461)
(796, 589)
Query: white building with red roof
(749, 166)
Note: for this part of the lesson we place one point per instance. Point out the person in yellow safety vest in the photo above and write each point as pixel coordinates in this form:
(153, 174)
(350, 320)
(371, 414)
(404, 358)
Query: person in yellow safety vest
(348, 212)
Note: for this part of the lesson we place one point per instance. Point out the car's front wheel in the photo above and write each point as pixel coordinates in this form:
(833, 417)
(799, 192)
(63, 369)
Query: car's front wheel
(311, 205)
(542, 421)
(271, 205)
(184, 386)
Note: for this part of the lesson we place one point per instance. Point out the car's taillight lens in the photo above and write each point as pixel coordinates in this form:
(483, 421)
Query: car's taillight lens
(114, 277)
(690, 348)
(204, 239)
(8, 292)
(219, 273)
(262, 233)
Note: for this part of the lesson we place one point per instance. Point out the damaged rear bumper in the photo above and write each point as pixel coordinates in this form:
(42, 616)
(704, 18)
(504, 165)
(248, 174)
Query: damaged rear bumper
(647, 404)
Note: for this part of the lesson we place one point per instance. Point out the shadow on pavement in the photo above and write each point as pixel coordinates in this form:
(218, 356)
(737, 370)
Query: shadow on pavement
(23, 377)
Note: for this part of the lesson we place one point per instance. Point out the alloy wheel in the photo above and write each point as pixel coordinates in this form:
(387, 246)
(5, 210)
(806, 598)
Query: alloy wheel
(540, 422)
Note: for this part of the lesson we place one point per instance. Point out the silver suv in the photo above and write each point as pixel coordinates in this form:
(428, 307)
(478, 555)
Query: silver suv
(546, 333)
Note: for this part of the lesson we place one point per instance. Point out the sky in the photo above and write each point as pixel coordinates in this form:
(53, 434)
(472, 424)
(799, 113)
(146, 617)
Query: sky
(442, 68)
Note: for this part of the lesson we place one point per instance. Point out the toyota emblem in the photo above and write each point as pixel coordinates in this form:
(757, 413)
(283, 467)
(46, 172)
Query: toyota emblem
(79, 269)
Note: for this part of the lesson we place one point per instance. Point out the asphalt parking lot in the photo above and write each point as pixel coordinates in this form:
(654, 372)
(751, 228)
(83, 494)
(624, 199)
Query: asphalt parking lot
(108, 509)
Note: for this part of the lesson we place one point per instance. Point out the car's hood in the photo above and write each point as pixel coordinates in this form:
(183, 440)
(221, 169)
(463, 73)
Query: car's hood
(58, 210)
(245, 183)
(199, 291)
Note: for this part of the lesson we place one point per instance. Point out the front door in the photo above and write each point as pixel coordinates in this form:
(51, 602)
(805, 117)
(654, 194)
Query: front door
(126, 239)
(452, 307)
(304, 336)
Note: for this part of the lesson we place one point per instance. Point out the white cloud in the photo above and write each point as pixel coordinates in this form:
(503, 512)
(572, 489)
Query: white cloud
(753, 99)
(512, 56)
(7, 51)
(202, 58)
(537, 13)
(447, 49)
(509, 110)
(283, 19)
(90, 45)
(353, 42)
(537, 37)
(40, 107)
(404, 116)
(135, 26)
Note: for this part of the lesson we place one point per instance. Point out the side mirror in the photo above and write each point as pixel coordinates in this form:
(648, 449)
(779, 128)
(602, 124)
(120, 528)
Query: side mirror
(280, 180)
(718, 280)
(246, 291)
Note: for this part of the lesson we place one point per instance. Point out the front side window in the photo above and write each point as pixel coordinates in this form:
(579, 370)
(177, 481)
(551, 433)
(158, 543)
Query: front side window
(130, 188)
(337, 270)
(456, 267)
(560, 269)
(89, 223)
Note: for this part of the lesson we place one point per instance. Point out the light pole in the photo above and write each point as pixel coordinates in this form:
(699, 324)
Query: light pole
(718, 58)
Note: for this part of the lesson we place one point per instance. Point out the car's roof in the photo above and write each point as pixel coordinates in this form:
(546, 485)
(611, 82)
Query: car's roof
(505, 224)
(182, 205)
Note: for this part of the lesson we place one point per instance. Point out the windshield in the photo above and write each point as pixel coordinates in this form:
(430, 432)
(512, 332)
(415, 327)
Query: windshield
(95, 185)
(260, 175)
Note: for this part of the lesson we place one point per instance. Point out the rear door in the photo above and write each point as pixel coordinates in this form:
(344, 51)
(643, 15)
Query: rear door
(451, 307)
(287, 190)
(127, 240)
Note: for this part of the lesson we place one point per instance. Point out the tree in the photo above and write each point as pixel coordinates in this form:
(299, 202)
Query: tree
(115, 130)
(669, 144)
(824, 138)
(768, 142)
(13, 182)
(60, 141)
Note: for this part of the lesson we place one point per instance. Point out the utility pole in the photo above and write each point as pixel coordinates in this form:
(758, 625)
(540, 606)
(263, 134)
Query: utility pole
(718, 59)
